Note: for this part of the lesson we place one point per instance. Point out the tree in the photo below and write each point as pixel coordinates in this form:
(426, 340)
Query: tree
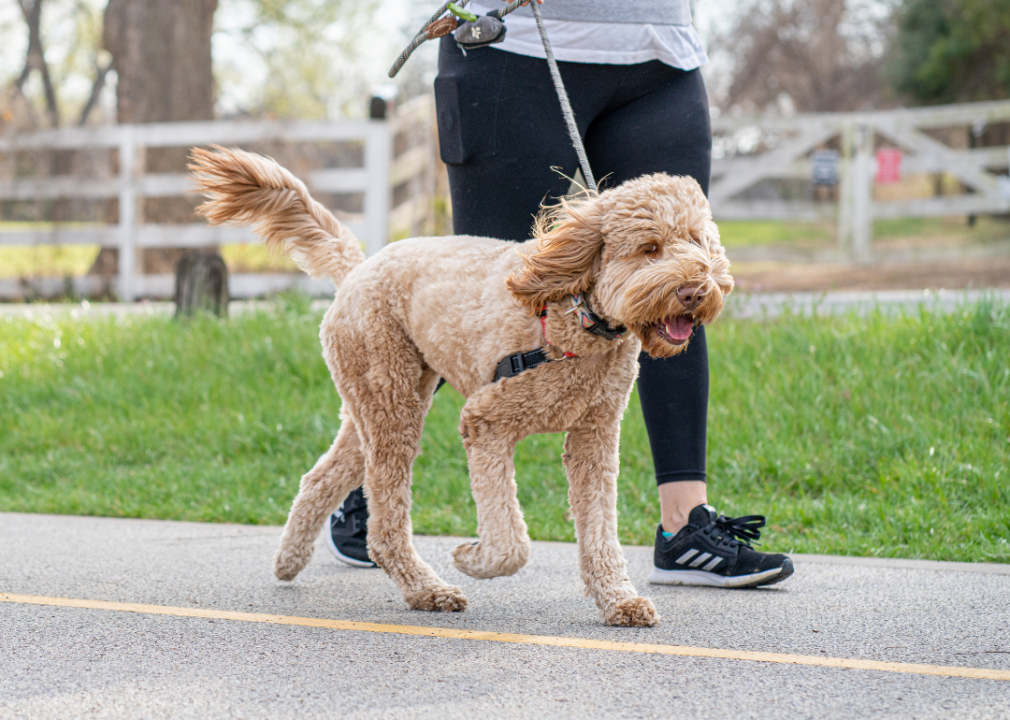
(162, 54)
(78, 59)
(949, 51)
(811, 55)
(297, 58)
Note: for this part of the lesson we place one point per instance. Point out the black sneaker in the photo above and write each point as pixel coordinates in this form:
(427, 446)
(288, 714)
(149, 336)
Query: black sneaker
(347, 531)
(716, 551)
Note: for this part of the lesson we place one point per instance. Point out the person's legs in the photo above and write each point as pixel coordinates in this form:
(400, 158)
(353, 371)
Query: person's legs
(666, 129)
(503, 138)
(659, 122)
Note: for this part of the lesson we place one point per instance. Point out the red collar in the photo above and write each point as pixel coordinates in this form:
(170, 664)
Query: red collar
(543, 324)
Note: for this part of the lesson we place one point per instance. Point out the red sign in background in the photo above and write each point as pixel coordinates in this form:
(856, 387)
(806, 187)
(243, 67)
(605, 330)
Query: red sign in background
(888, 165)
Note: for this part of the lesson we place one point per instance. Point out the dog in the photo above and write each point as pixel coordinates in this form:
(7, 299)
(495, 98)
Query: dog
(540, 337)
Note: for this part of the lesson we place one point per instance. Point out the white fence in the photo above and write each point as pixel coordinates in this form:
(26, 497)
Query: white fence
(400, 153)
(785, 146)
(382, 170)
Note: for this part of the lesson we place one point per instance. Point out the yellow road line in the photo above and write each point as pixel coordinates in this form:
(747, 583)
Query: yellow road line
(568, 642)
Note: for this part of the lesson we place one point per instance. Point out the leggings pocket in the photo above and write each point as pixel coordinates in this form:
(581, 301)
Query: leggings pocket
(450, 126)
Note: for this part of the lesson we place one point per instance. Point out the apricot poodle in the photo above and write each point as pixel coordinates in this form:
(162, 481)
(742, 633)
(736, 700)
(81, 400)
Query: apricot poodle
(606, 275)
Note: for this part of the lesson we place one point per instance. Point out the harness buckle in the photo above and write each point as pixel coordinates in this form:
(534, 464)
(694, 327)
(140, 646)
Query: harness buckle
(511, 365)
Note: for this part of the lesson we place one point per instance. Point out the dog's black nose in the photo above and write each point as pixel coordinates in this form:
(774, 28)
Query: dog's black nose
(690, 296)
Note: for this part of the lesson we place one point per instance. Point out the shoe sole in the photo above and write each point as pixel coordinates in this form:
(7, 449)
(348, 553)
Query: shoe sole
(347, 560)
(700, 577)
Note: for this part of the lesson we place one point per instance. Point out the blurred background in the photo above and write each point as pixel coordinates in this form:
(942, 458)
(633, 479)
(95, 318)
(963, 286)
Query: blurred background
(851, 149)
(859, 145)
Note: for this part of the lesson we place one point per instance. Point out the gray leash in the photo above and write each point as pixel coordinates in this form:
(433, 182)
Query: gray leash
(566, 107)
(559, 86)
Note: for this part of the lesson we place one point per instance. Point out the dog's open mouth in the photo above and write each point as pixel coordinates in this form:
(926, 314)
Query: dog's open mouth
(675, 329)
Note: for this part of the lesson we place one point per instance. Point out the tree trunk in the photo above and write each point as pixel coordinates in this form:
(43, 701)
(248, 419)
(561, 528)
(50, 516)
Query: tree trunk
(161, 52)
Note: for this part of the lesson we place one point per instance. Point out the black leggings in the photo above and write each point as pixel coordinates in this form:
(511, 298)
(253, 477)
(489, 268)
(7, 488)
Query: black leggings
(501, 133)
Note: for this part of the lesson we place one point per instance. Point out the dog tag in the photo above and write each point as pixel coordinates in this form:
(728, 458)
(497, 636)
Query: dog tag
(485, 30)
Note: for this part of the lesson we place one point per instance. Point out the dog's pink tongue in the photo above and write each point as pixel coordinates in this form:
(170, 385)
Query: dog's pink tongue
(678, 327)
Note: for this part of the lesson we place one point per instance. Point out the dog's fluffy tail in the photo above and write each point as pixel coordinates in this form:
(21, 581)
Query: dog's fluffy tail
(248, 189)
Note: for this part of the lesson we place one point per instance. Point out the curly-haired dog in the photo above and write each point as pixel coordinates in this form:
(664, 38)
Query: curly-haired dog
(644, 255)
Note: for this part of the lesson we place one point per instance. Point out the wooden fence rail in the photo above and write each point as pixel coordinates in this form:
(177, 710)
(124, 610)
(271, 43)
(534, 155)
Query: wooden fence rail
(382, 170)
(786, 144)
(755, 151)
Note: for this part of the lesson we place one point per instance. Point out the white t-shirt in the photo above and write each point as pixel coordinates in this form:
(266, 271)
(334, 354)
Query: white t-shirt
(605, 43)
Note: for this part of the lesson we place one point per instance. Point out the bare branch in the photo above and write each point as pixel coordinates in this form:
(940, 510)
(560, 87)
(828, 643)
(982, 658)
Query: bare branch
(96, 90)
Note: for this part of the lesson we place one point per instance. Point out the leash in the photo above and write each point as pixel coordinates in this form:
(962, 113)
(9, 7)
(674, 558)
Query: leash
(477, 32)
(566, 107)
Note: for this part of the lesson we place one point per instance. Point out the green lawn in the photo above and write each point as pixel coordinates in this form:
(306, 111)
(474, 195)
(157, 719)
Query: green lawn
(17, 261)
(868, 436)
(750, 233)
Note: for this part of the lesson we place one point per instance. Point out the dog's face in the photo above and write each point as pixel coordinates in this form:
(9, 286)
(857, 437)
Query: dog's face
(646, 252)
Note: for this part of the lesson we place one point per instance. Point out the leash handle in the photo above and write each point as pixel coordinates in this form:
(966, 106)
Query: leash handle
(421, 36)
(566, 106)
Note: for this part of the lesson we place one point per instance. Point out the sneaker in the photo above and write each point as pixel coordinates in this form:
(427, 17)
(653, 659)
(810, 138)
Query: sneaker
(715, 550)
(347, 531)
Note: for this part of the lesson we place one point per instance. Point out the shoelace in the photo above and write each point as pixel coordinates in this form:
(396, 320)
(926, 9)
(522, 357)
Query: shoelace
(737, 531)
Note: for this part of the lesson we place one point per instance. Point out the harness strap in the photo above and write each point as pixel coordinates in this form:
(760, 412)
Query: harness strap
(514, 364)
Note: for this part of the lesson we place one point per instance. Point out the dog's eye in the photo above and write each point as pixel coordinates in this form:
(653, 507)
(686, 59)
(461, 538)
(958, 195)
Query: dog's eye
(651, 249)
(696, 241)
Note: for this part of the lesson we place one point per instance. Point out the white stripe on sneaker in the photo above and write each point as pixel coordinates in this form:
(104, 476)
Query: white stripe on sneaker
(700, 577)
(686, 556)
(711, 566)
(701, 558)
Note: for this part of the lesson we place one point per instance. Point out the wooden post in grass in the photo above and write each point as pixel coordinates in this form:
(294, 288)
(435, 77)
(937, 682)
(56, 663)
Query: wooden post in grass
(201, 283)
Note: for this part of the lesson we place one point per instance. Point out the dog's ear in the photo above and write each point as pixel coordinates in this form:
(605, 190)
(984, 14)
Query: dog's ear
(567, 254)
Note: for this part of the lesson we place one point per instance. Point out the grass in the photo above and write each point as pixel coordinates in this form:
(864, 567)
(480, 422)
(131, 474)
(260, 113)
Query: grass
(751, 233)
(22, 261)
(866, 436)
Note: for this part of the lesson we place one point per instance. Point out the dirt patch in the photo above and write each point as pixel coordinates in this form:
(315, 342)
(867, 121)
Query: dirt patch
(783, 277)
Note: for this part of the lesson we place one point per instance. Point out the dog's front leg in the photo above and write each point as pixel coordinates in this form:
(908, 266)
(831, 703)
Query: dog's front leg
(591, 461)
(504, 545)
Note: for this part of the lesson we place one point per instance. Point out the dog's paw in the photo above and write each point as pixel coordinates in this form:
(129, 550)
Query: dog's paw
(633, 612)
(442, 598)
(478, 561)
(287, 564)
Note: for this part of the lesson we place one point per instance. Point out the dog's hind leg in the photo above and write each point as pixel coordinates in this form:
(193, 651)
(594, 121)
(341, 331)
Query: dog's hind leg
(391, 421)
(591, 461)
(323, 488)
(504, 545)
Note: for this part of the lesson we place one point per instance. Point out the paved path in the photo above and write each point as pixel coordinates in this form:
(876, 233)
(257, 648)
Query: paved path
(744, 305)
(125, 662)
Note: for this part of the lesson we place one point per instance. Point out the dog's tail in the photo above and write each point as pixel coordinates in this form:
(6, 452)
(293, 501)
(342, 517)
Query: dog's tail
(243, 188)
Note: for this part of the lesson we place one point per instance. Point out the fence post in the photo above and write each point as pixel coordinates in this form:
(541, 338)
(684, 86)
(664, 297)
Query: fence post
(127, 230)
(862, 200)
(378, 156)
(845, 187)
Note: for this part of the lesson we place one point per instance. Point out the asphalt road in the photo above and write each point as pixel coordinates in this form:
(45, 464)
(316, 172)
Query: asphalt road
(73, 662)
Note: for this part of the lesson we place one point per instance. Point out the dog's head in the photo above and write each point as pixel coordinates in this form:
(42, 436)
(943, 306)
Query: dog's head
(646, 252)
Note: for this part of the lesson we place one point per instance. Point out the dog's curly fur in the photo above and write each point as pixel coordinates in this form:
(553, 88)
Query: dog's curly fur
(452, 307)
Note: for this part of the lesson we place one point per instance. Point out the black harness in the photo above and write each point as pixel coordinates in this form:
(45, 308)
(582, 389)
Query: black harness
(512, 365)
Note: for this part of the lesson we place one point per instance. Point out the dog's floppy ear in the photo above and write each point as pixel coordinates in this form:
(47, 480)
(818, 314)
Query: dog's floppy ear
(567, 254)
